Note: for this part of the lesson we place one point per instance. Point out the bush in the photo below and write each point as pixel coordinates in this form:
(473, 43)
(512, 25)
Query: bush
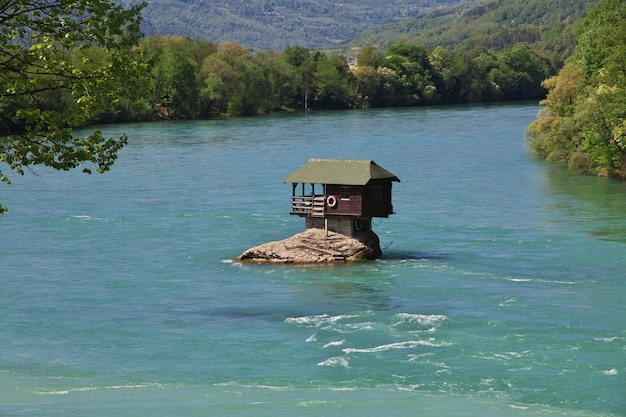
(579, 163)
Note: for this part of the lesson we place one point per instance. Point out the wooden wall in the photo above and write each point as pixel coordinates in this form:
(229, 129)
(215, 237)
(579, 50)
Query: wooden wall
(360, 202)
(381, 207)
(352, 206)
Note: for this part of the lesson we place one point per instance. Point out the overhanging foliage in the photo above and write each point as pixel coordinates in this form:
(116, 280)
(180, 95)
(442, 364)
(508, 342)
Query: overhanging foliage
(62, 63)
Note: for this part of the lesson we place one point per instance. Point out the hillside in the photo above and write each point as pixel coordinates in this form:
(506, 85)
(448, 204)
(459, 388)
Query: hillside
(275, 24)
(489, 23)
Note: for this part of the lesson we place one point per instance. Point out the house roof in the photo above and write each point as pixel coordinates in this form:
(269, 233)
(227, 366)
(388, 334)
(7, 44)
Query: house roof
(339, 171)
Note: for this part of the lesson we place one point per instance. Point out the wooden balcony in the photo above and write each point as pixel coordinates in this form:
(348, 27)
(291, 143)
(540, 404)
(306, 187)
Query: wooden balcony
(308, 205)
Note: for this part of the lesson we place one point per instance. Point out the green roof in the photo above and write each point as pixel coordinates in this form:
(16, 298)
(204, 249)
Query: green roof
(339, 171)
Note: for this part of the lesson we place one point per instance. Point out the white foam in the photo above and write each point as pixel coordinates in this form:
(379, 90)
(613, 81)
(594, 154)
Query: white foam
(413, 357)
(353, 327)
(398, 345)
(89, 218)
(314, 403)
(409, 388)
(268, 387)
(317, 320)
(334, 343)
(236, 385)
(87, 389)
(610, 372)
(63, 392)
(607, 339)
(427, 320)
(335, 361)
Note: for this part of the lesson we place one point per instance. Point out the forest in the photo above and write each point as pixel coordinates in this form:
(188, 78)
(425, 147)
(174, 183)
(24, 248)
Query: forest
(189, 79)
(583, 123)
(546, 25)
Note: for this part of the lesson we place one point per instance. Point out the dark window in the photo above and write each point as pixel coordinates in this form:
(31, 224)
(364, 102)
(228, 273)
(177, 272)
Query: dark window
(344, 193)
(377, 192)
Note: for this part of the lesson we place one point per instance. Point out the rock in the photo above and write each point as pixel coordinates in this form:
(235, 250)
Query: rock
(603, 172)
(316, 246)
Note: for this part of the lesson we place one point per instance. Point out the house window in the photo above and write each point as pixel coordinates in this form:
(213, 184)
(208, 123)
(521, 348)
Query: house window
(377, 192)
(344, 193)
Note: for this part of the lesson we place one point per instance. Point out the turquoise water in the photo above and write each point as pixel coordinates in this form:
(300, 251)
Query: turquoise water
(501, 291)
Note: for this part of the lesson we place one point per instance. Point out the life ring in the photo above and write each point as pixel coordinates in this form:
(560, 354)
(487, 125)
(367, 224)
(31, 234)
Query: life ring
(331, 201)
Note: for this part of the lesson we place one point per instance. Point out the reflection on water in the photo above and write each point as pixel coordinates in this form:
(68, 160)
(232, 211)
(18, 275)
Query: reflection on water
(600, 202)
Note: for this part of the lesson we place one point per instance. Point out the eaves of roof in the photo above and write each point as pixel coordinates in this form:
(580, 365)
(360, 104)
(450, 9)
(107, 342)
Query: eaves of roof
(339, 171)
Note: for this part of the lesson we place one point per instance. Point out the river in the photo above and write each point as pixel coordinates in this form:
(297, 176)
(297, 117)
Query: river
(501, 291)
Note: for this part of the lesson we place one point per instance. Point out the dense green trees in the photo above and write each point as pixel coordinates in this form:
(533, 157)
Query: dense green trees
(63, 63)
(185, 78)
(191, 79)
(584, 120)
(409, 76)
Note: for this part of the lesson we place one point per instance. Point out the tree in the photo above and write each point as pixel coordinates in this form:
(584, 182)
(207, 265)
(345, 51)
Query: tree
(330, 81)
(235, 84)
(300, 59)
(601, 39)
(282, 81)
(461, 79)
(250, 88)
(216, 77)
(601, 54)
(366, 86)
(524, 71)
(181, 85)
(583, 123)
(174, 83)
(414, 83)
(369, 57)
(555, 135)
(46, 55)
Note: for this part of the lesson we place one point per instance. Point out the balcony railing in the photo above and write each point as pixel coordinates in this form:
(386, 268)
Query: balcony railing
(309, 205)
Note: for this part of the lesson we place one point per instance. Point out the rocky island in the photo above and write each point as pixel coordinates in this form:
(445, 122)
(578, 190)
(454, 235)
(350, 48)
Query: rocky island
(316, 246)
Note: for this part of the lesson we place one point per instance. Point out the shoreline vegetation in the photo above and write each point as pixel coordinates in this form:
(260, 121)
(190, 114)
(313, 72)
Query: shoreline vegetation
(583, 123)
(60, 72)
(179, 78)
(197, 79)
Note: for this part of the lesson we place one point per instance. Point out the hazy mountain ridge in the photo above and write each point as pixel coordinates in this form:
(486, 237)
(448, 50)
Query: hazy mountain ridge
(274, 24)
(490, 24)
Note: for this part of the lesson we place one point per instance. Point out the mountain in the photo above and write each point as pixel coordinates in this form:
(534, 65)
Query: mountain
(490, 24)
(275, 24)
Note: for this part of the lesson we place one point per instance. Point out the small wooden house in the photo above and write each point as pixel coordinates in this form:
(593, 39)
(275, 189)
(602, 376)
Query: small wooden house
(341, 195)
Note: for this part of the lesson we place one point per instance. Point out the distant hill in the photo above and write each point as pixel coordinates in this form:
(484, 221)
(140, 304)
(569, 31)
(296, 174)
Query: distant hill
(490, 23)
(275, 24)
